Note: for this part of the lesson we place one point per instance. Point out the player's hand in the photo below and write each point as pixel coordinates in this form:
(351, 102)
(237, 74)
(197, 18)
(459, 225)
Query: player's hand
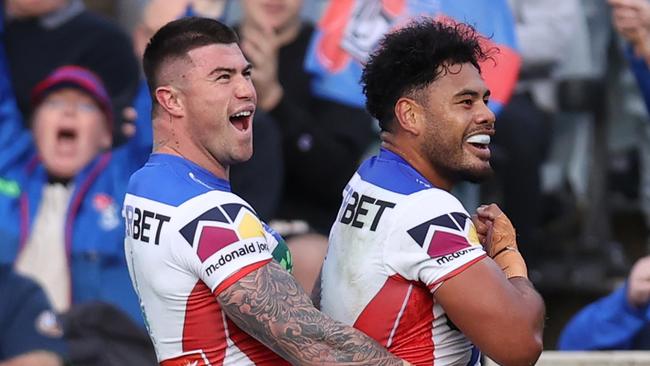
(495, 229)
(498, 237)
(638, 287)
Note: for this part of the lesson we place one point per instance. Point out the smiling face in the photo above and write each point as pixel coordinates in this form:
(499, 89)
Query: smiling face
(219, 101)
(69, 129)
(458, 125)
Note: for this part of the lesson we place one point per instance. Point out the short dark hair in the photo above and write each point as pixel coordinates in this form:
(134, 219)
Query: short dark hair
(177, 38)
(413, 57)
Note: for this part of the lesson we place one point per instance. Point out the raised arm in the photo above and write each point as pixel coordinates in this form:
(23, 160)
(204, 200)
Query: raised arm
(15, 140)
(492, 302)
(270, 306)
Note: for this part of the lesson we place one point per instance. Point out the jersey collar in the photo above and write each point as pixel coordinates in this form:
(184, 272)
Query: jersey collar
(194, 171)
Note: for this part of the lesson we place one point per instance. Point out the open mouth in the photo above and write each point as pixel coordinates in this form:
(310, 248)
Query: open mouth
(241, 120)
(481, 145)
(66, 135)
(480, 141)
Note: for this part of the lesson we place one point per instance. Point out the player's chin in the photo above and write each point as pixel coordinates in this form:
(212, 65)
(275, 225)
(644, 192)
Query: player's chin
(243, 155)
(478, 173)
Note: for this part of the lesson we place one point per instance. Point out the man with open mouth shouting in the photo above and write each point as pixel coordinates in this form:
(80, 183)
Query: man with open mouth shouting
(61, 187)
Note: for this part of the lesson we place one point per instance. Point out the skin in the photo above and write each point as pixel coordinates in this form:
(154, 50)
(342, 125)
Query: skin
(631, 18)
(434, 124)
(200, 94)
(36, 358)
(195, 98)
(32, 8)
(268, 25)
(76, 112)
(638, 288)
(431, 131)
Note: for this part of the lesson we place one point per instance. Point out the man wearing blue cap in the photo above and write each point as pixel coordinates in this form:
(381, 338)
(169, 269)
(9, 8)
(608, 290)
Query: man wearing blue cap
(61, 188)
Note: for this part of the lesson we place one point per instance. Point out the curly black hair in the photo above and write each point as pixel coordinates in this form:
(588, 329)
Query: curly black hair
(413, 57)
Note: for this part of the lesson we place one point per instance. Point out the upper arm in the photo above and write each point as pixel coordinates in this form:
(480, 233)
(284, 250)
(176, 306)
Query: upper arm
(269, 305)
(15, 140)
(491, 311)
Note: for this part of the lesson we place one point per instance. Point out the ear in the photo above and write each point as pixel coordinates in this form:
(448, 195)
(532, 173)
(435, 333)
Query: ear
(407, 112)
(168, 98)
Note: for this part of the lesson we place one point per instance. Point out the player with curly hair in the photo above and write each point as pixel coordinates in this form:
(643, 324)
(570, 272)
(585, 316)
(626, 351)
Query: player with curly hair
(407, 264)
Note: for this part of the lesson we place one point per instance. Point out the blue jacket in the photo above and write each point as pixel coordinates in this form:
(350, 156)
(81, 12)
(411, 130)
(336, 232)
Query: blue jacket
(608, 324)
(94, 229)
(641, 72)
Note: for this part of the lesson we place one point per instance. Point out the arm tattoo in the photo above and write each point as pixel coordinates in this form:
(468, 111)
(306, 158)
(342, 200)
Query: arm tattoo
(269, 305)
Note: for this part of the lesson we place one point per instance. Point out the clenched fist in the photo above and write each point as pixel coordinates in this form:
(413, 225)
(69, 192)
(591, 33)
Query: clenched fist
(498, 237)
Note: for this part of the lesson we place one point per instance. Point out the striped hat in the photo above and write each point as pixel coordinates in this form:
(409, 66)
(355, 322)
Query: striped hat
(76, 77)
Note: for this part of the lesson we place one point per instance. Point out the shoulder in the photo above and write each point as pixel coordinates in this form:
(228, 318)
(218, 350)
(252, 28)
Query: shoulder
(164, 183)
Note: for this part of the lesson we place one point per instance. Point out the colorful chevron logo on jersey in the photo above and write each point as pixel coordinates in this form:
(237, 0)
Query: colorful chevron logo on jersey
(445, 234)
(221, 226)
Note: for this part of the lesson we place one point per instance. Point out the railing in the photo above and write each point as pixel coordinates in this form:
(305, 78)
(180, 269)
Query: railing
(603, 358)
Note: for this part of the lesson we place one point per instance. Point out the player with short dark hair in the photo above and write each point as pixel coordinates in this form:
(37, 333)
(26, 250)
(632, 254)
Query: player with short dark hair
(199, 257)
(405, 263)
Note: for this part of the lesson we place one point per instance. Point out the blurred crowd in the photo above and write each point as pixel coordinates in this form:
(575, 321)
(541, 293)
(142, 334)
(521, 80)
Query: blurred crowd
(570, 88)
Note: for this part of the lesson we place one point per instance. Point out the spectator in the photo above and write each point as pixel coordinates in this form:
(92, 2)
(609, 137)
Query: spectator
(631, 19)
(323, 141)
(524, 123)
(30, 334)
(619, 321)
(63, 32)
(61, 192)
(267, 153)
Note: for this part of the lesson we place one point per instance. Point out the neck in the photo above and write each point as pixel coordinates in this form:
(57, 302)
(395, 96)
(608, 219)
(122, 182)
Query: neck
(409, 151)
(168, 140)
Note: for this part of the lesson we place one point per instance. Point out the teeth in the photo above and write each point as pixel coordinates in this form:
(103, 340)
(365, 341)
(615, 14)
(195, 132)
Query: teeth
(479, 139)
(242, 114)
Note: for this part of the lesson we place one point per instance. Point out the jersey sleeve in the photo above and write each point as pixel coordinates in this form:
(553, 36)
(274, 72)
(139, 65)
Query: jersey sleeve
(228, 242)
(278, 248)
(433, 240)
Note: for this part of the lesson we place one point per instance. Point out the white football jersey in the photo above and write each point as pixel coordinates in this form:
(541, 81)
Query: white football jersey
(395, 240)
(187, 239)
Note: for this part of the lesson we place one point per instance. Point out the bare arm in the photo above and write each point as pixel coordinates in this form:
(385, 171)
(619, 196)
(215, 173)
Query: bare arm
(36, 358)
(505, 317)
(509, 311)
(269, 305)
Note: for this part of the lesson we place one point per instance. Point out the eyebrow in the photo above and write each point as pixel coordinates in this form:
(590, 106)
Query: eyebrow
(230, 70)
(471, 93)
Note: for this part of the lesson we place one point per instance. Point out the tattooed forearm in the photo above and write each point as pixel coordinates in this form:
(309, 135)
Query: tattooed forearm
(269, 305)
